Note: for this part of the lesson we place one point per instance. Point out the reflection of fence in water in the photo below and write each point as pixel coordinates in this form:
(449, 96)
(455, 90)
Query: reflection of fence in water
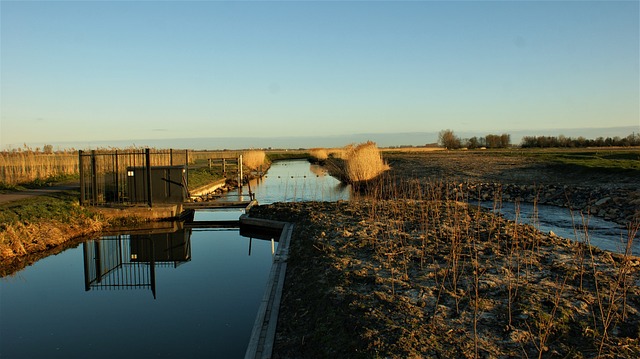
(129, 261)
(108, 265)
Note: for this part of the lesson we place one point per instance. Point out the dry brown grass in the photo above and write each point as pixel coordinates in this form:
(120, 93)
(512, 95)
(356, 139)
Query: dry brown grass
(356, 163)
(319, 154)
(28, 166)
(413, 149)
(253, 159)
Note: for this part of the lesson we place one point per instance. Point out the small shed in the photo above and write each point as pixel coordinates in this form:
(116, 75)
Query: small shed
(168, 184)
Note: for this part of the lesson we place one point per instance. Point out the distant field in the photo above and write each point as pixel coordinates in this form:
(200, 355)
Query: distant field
(616, 158)
(601, 158)
(413, 149)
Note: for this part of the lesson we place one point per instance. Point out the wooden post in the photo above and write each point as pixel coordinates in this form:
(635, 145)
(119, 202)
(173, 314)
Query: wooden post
(82, 183)
(147, 154)
(224, 166)
(209, 164)
(240, 170)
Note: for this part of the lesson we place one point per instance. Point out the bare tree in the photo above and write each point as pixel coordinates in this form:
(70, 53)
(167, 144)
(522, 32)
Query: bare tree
(449, 140)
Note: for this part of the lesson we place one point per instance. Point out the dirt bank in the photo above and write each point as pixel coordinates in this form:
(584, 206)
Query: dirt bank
(407, 278)
(424, 274)
(613, 195)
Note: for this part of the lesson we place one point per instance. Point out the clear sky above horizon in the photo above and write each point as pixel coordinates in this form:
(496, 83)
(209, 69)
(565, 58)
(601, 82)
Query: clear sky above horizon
(98, 70)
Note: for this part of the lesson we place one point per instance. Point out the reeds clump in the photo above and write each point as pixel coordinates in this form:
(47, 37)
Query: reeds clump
(253, 159)
(358, 163)
(319, 154)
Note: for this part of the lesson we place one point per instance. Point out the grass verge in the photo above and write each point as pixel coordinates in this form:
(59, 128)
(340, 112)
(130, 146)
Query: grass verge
(42, 222)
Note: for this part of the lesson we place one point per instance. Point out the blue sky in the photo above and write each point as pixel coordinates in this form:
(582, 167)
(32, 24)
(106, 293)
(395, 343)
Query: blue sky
(97, 70)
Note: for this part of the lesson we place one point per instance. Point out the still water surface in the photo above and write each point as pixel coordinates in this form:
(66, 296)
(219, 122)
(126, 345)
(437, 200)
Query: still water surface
(563, 222)
(179, 294)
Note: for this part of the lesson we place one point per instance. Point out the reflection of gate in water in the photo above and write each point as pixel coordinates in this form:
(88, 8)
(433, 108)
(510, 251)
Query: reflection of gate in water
(128, 261)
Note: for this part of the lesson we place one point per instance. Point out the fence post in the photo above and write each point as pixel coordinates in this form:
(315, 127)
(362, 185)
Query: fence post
(94, 178)
(240, 170)
(82, 184)
(117, 177)
(147, 154)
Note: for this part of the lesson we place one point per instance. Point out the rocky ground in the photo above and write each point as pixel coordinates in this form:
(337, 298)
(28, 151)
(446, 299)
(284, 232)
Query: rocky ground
(419, 272)
(613, 195)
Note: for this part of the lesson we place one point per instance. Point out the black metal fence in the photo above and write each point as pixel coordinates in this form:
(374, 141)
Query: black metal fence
(133, 176)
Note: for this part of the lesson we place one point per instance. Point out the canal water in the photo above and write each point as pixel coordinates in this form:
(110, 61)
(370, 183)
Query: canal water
(176, 293)
(294, 181)
(563, 222)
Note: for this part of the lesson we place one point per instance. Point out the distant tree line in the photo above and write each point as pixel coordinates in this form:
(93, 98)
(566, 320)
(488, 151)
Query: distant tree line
(568, 142)
(449, 140)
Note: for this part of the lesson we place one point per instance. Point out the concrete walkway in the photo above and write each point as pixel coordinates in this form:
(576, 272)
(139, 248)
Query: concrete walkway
(19, 195)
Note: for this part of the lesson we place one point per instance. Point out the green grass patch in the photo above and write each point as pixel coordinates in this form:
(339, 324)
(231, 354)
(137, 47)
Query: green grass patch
(287, 155)
(39, 183)
(60, 206)
(588, 159)
(199, 177)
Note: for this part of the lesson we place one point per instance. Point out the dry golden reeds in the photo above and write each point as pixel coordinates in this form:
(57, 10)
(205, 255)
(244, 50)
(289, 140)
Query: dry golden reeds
(319, 154)
(253, 159)
(358, 163)
(28, 166)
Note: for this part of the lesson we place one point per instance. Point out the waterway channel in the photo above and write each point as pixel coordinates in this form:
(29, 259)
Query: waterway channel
(172, 293)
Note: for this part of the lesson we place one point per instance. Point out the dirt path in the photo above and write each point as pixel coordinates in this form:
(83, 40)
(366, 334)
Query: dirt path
(20, 195)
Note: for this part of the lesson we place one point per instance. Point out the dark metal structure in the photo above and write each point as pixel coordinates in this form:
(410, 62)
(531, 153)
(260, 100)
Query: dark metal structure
(133, 176)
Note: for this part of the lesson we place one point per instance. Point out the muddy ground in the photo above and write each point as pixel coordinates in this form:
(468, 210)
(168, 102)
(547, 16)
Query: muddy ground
(407, 275)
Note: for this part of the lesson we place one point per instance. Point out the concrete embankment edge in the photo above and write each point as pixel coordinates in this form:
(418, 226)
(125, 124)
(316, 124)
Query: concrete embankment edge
(264, 328)
(206, 189)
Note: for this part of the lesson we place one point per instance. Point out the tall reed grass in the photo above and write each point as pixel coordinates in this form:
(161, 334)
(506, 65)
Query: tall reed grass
(319, 154)
(29, 166)
(253, 159)
(357, 163)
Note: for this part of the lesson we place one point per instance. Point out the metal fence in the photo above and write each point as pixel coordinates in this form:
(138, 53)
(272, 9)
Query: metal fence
(125, 177)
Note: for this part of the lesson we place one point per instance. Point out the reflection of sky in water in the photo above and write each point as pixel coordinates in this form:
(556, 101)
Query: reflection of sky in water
(601, 233)
(226, 214)
(205, 307)
(298, 180)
